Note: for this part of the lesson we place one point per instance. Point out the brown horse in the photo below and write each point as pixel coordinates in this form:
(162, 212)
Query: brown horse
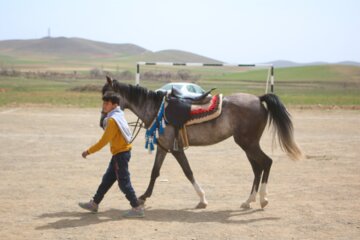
(243, 116)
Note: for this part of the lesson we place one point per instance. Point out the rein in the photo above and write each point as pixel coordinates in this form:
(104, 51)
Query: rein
(138, 124)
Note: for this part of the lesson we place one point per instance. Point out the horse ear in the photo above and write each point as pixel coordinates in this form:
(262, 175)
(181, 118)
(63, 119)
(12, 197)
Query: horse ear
(109, 80)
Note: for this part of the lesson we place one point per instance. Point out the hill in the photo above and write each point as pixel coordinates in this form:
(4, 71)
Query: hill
(67, 54)
(71, 47)
(47, 49)
(285, 63)
(175, 56)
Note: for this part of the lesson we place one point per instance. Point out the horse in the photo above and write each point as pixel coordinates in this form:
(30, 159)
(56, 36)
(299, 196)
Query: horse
(244, 117)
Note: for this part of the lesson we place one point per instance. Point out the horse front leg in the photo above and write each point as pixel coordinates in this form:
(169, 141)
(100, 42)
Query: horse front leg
(155, 173)
(184, 163)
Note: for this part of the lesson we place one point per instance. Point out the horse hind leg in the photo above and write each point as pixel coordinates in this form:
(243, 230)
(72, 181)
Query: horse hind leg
(255, 187)
(258, 158)
(263, 191)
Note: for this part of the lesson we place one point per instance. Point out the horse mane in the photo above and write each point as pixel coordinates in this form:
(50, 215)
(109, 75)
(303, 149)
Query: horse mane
(137, 94)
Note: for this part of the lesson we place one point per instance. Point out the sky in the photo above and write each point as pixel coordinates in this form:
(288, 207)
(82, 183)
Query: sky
(233, 31)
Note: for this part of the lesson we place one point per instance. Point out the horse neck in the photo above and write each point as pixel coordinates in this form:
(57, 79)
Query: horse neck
(146, 104)
(146, 112)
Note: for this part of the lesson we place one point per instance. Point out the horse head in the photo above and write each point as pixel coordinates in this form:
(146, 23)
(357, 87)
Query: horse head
(112, 86)
(120, 88)
(141, 101)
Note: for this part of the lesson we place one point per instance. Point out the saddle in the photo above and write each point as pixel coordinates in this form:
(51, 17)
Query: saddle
(181, 111)
(201, 99)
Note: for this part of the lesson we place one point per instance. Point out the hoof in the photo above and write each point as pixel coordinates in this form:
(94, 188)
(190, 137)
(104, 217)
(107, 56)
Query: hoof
(245, 205)
(264, 203)
(141, 201)
(201, 205)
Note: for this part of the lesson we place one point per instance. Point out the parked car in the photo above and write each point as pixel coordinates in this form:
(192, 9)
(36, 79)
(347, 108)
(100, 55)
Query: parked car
(187, 89)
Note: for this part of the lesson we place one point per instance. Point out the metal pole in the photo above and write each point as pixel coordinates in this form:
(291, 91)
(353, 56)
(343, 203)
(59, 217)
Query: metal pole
(272, 79)
(267, 81)
(137, 80)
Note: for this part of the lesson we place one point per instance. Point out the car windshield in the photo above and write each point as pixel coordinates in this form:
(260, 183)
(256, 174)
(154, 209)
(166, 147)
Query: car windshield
(170, 85)
(191, 88)
(198, 89)
(185, 88)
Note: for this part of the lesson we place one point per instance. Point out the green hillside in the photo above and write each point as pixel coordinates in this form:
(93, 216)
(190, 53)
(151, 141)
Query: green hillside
(308, 73)
(325, 84)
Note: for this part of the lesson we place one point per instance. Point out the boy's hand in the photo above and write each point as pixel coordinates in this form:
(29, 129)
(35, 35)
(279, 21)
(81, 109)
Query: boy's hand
(84, 154)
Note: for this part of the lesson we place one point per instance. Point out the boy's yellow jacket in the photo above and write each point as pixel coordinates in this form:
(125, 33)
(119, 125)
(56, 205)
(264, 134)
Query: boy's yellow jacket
(113, 135)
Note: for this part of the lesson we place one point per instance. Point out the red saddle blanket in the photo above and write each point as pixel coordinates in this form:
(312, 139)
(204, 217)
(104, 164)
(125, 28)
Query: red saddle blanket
(206, 112)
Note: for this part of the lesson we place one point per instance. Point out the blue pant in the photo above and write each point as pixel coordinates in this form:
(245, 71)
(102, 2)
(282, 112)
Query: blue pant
(117, 170)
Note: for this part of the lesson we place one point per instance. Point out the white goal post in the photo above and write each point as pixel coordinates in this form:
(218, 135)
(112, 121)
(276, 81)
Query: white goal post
(269, 80)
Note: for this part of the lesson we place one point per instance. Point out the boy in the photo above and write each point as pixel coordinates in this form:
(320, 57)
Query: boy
(117, 132)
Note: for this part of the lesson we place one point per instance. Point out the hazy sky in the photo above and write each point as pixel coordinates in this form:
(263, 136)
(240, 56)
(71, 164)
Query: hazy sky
(233, 31)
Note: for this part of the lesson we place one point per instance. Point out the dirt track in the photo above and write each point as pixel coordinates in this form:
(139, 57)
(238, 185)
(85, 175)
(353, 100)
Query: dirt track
(42, 177)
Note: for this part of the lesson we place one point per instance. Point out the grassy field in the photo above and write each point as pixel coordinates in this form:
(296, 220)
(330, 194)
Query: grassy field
(325, 85)
(312, 85)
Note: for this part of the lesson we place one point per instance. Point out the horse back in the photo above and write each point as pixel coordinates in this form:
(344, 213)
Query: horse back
(242, 114)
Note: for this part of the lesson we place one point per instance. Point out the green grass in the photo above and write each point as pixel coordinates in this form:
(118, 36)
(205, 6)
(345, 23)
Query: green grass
(323, 73)
(325, 85)
(19, 91)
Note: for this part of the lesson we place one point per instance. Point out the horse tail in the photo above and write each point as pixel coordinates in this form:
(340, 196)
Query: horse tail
(280, 118)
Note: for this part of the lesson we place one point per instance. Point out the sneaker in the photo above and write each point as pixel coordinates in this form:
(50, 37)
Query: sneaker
(90, 206)
(135, 213)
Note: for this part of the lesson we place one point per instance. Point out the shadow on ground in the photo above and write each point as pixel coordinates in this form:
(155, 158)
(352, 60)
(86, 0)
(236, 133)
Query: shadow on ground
(79, 219)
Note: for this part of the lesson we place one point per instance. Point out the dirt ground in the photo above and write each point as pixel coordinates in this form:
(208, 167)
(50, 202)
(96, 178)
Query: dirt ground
(43, 177)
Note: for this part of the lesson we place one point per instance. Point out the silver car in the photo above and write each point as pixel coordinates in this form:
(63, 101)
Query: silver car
(187, 89)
